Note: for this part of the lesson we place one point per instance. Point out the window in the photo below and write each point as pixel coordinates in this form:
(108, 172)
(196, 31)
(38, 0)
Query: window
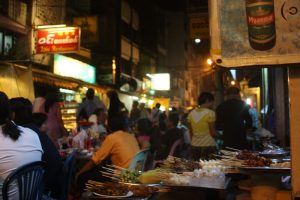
(1, 42)
(8, 44)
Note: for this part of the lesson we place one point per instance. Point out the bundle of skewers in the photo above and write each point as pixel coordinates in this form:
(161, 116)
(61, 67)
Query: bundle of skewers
(178, 165)
(242, 158)
(108, 188)
(127, 180)
(120, 174)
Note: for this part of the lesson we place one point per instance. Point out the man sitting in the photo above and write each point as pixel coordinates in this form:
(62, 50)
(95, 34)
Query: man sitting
(119, 146)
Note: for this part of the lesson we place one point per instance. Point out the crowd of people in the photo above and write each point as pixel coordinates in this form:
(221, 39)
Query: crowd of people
(30, 132)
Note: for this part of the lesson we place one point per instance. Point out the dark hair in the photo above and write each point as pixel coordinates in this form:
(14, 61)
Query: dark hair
(39, 118)
(115, 105)
(22, 109)
(98, 111)
(232, 91)
(135, 103)
(144, 126)
(116, 122)
(174, 118)
(51, 99)
(90, 93)
(205, 97)
(9, 128)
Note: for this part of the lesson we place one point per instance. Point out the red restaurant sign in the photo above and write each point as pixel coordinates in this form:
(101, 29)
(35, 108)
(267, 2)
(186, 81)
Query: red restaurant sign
(54, 40)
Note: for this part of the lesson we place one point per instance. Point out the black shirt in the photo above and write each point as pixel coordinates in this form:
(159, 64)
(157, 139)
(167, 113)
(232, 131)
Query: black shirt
(233, 118)
(53, 163)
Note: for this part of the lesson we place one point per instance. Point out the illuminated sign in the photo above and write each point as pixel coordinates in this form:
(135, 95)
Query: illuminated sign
(54, 40)
(160, 81)
(70, 67)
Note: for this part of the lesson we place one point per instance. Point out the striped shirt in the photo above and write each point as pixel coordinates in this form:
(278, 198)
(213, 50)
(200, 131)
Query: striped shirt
(199, 118)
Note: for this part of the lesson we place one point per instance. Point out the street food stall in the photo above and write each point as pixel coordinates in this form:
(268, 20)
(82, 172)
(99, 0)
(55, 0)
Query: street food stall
(263, 34)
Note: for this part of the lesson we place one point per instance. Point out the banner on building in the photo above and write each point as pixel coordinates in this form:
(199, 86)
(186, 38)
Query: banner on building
(57, 40)
(247, 33)
(199, 26)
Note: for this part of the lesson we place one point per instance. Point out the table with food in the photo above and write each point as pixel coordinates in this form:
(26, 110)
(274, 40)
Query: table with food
(179, 174)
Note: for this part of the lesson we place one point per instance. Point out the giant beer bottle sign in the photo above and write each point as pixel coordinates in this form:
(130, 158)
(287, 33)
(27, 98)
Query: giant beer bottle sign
(255, 32)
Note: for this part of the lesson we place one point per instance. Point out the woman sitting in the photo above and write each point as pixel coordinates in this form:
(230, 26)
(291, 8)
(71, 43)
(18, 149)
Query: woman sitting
(19, 145)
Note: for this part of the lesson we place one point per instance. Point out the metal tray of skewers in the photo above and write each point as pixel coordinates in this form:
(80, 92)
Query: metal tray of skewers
(252, 162)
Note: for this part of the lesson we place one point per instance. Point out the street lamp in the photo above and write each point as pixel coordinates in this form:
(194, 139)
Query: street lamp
(209, 61)
(197, 40)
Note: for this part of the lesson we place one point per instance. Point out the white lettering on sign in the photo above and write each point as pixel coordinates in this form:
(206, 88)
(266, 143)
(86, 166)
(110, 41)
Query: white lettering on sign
(50, 39)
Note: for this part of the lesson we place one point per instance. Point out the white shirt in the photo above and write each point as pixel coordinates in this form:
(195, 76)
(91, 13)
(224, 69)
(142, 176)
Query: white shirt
(13, 154)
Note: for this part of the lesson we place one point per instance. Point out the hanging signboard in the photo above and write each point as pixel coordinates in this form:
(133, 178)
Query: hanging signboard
(255, 32)
(198, 26)
(57, 40)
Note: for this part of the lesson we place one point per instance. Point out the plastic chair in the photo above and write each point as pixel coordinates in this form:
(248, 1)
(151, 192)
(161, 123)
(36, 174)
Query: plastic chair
(139, 160)
(66, 175)
(28, 179)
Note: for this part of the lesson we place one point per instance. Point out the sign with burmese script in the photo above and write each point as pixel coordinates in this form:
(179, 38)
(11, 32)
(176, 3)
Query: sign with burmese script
(57, 40)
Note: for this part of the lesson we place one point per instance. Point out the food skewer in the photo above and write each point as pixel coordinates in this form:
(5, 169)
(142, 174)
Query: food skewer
(116, 167)
(233, 149)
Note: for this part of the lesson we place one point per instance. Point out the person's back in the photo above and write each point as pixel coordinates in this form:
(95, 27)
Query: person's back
(17, 153)
(89, 105)
(172, 134)
(123, 145)
(53, 161)
(233, 118)
(135, 112)
(22, 115)
(168, 139)
(18, 145)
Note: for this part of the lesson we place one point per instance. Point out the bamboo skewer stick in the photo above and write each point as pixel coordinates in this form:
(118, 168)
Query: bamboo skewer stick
(110, 174)
(113, 178)
(116, 167)
(95, 182)
(233, 149)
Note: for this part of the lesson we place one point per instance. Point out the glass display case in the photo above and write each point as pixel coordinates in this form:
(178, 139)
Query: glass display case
(68, 112)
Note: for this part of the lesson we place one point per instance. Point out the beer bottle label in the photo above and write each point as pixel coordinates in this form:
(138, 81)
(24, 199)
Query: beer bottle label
(261, 21)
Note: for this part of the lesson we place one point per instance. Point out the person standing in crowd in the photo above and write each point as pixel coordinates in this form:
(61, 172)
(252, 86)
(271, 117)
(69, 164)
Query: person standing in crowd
(134, 113)
(99, 121)
(89, 105)
(155, 114)
(162, 122)
(39, 101)
(116, 107)
(56, 128)
(183, 125)
(21, 110)
(201, 122)
(18, 146)
(172, 134)
(143, 111)
(233, 120)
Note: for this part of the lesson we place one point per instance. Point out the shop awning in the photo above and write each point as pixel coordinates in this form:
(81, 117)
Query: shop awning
(49, 78)
(56, 80)
(10, 24)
